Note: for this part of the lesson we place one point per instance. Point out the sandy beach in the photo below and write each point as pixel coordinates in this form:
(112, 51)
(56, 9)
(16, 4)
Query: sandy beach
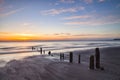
(44, 67)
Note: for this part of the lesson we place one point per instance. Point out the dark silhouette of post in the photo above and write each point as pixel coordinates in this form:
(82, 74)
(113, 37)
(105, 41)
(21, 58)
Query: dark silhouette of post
(91, 64)
(97, 57)
(49, 53)
(41, 50)
(63, 56)
(71, 57)
(60, 57)
(33, 48)
(79, 58)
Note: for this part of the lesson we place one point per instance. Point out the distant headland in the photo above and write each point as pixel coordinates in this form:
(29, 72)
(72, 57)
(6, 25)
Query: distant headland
(117, 39)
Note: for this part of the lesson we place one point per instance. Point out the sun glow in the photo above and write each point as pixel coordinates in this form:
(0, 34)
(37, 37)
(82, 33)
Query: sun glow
(17, 36)
(7, 36)
(24, 34)
(23, 38)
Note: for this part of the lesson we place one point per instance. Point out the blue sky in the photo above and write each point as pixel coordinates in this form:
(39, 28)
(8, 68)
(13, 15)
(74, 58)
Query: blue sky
(74, 18)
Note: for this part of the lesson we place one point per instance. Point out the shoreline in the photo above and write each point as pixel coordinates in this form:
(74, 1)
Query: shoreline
(43, 67)
(79, 49)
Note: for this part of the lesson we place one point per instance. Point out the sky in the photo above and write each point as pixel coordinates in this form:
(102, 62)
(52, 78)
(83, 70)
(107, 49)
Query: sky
(59, 19)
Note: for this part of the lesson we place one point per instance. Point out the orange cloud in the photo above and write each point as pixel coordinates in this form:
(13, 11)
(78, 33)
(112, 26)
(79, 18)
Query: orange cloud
(77, 17)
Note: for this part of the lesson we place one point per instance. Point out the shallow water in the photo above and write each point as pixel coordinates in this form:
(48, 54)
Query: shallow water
(19, 50)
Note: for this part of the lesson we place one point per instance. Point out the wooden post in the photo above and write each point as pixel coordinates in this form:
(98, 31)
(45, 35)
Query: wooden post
(61, 56)
(49, 53)
(71, 57)
(79, 58)
(91, 64)
(41, 50)
(97, 57)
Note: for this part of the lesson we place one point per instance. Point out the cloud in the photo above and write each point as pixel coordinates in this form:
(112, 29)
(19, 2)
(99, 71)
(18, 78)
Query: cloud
(2, 33)
(94, 20)
(1, 1)
(10, 12)
(88, 1)
(67, 1)
(62, 34)
(118, 6)
(27, 24)
(56, 3)
(96, 35)
(77, 23)
(101, 0)
(90, 34)
(91, 1)
(61, 10)
(77, 17)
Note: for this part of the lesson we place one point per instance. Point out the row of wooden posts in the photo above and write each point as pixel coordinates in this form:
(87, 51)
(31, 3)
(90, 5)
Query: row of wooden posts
(70, 57)
(97, 59)
(92, 60)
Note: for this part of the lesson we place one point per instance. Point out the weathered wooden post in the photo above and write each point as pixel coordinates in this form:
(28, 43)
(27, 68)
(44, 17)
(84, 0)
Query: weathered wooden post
(79, 58)
(97, 57)
(91, 64)
(32, 48)
(49, 53)
(71, 57)
(41, 50)
(61, 56)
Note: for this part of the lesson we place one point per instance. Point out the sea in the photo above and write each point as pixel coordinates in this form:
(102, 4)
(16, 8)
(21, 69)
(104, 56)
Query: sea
(19, 50)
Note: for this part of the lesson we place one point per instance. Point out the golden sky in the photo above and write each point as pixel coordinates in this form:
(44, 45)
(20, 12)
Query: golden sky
(5, 36)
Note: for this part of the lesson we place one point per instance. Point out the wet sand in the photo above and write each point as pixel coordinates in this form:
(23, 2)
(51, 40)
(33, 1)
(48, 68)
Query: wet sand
(45, 67)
